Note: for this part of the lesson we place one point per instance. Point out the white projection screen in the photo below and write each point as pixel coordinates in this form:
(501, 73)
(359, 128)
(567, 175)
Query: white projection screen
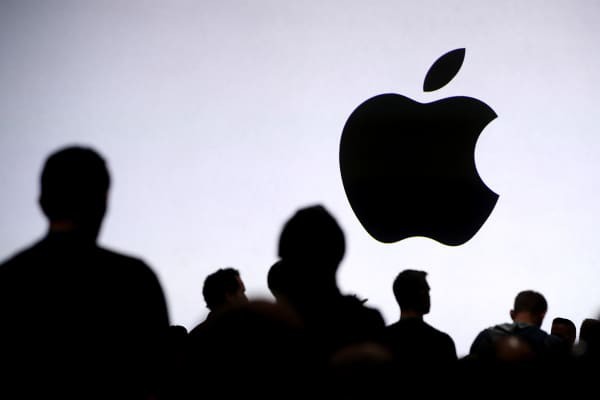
(219, 119)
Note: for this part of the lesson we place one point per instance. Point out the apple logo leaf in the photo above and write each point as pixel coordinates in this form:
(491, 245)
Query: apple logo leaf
(443, 70)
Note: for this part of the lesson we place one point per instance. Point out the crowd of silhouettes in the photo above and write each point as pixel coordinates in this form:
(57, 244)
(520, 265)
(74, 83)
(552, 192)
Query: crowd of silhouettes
(81, 321)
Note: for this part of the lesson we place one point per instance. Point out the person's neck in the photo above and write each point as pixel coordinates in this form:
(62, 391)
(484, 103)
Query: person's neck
(62, 226)
(526, 318)
(410, 314)
(68, 228)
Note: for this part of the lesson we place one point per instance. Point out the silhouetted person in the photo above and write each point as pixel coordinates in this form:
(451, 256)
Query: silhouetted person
(311, 246)
(565, 329)
(417, 346)
(589, 330)
(589, 342)
(350, 369)
(173, 384)
(255, 349)
(283, 286)
(528, 314)
(520, 351)
(212, 353)
(222, 290)
(277, 281)
(76, 319)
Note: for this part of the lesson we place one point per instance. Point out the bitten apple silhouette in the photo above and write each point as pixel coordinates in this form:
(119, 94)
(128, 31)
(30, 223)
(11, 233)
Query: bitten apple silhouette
(408, 168)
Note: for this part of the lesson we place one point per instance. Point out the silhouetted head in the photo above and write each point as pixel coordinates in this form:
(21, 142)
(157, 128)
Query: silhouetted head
(565, 329)
(74, 189)
(278, 280)
(589, 331)
(288, 288)
(529, 307)
(589, 340)
(412, 292)
(312, 237)
(224, 288)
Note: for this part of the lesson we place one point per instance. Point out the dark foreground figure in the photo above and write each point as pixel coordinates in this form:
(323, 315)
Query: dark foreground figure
(78, 320)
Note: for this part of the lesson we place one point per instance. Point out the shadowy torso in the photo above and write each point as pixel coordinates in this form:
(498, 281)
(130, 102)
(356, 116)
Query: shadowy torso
(74, 313)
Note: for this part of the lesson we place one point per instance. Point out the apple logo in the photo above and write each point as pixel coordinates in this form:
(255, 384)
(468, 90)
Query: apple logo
(408, 168)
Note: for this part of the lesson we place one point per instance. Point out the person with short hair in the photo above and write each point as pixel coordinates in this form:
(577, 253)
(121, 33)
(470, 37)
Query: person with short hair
(527, 316)
(416, 345)
(77, 319)
(565, 329)
(224, 288)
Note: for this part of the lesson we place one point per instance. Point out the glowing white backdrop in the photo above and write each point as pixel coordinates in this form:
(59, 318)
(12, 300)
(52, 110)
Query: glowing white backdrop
(220, 118)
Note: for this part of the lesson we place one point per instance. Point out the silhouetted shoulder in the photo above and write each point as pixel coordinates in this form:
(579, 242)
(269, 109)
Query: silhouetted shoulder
(416, 340)
(442, 336)
(19, 256)
(371, 317)
(57, 270)
(197, 332)
(77, 318)
(53, 257)
(447, 343)
(134, 264)
(23, 266)
(50, 249)
(140, 282)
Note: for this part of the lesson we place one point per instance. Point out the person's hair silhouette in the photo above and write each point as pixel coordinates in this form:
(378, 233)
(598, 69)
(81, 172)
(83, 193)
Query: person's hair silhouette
(280, 282)
(564, 328)
(530, 307)
(74, 190)
(79, 320)
(411, 291)
(589, 330)
(224, 288)
(313, 237)
(589, 341)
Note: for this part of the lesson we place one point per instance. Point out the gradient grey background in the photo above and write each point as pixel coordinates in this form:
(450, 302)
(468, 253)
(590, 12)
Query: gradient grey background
(220, 118)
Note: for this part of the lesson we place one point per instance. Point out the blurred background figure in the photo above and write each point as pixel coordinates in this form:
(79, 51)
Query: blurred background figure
(565, 329)
(311, 248)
